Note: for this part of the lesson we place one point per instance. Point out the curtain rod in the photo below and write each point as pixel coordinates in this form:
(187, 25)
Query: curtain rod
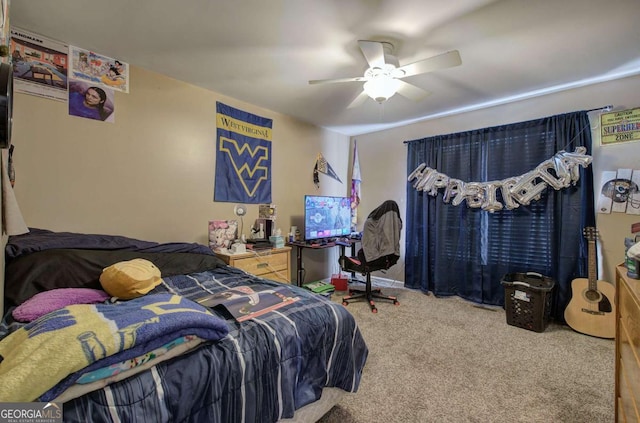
(607, 108)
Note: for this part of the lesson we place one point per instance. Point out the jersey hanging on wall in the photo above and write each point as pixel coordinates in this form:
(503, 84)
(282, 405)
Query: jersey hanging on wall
(243, 157)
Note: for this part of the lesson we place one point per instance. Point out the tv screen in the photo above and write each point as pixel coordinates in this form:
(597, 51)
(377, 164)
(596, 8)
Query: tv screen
(326, 217)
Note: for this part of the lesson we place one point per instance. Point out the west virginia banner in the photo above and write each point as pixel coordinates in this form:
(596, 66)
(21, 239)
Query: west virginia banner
(243, 157)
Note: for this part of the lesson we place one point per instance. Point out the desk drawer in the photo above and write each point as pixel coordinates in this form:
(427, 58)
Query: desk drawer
(629, 311)
(627, 349)
(262, 265)
(627, 400)
(282, 277)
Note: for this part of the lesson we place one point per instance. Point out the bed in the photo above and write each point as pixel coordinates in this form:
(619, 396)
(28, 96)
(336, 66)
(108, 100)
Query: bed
(168, 355)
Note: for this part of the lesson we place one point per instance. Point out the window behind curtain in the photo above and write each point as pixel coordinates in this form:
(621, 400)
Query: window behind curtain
(457, 250)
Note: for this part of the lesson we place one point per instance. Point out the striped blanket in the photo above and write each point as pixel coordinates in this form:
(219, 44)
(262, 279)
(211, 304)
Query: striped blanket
(263, 370)
(66, 343)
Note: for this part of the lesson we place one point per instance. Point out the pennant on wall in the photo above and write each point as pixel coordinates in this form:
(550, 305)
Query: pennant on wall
(243, 156)
(322, 166)
(356, 179)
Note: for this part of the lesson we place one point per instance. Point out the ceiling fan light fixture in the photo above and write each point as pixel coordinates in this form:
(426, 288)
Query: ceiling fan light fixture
(381, 88)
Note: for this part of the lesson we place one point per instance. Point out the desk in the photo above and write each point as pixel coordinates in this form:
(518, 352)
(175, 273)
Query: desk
(301, 245)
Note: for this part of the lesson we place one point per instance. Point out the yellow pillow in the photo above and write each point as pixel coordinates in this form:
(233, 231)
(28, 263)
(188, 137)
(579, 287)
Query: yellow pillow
(130, 279)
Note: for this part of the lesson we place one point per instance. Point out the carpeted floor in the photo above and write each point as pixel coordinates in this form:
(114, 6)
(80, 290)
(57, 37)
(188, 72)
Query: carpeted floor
(448, 360)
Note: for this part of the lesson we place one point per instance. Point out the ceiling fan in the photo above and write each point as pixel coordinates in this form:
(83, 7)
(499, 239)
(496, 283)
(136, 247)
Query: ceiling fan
(384, 76)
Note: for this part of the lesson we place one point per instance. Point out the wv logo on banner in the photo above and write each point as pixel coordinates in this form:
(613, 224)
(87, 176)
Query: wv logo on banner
(243, 157)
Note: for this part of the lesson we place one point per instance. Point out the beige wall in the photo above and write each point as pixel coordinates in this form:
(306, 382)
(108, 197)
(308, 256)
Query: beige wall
(614, 227)
(383, 155)
(150, 174)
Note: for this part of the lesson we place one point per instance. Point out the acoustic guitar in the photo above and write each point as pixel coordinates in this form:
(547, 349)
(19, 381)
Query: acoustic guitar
(592, 309)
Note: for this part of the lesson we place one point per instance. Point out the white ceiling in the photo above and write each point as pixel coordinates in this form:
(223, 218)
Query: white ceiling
(264, 52)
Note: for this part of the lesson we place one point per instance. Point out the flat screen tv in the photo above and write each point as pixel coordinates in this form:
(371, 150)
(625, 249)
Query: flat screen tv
(326, 217)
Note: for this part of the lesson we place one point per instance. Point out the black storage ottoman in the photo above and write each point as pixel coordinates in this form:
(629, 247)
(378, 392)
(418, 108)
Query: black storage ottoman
(527, 300)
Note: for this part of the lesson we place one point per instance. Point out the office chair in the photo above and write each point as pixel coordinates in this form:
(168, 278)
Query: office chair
(380, 250)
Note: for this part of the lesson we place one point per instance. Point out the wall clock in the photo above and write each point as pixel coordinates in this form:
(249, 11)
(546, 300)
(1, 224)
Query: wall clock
(6, 104)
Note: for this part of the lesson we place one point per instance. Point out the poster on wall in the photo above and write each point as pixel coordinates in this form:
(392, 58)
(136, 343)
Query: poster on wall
(243, 157)
(619, 192)
(98, 70)
(5, 35)
(621, 126)
(91, 102)
(40, 65)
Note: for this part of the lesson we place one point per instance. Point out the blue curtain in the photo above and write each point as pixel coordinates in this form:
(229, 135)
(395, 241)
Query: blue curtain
(457, 250)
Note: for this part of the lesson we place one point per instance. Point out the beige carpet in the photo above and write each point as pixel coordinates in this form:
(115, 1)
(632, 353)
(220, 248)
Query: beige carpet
(447, 360)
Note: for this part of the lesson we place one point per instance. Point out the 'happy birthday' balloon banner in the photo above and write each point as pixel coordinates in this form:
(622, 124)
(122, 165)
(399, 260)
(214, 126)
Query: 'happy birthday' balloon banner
(558, 172)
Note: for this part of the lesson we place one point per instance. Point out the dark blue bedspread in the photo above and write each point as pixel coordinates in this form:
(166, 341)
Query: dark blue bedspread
(43, 239)
(264, 370)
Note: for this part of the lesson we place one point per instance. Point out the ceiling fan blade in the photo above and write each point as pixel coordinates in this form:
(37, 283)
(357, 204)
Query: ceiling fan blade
(441, 61)
(373, 52)
(331, 81)
(412, 92)
(361, 98)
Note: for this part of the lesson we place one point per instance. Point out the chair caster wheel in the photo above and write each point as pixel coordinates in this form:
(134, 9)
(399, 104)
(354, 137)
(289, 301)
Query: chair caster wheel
(374, 310)
(396, 302)
(344, 303)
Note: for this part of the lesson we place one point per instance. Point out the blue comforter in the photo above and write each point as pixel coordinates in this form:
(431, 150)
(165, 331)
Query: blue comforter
(263, 371)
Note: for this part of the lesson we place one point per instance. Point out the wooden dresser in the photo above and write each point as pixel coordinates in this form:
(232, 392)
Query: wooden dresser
(627, 347)
(271, 264)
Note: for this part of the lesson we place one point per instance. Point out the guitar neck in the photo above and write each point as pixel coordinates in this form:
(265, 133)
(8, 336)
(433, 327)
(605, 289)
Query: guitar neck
(592, 265)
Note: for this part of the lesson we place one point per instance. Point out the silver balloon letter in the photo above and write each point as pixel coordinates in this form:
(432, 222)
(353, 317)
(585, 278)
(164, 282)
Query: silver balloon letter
(526, 189)
(417, 173)
(491, 203)
(505, 190)
(544, 173)
(474, 194)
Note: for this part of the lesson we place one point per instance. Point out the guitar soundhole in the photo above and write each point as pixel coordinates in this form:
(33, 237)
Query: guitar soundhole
(592, 295)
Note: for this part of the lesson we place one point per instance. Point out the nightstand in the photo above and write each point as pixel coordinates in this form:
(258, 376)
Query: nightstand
(271, 264)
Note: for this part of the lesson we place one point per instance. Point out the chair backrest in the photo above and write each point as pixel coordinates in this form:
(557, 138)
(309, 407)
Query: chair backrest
(381, 235)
